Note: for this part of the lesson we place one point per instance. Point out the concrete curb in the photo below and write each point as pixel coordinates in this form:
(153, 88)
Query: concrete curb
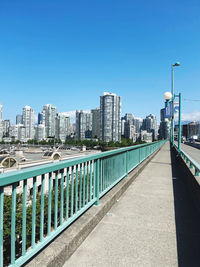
(60, 250)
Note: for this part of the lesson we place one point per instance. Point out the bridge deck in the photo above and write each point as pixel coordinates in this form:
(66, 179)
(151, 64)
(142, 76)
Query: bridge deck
(154, 223)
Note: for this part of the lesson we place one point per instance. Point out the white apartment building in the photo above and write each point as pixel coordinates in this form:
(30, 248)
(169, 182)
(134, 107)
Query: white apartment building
(40, 132)
(83, 125)
(110, 117)
(62, 126)
(49, 119)
(28, 122)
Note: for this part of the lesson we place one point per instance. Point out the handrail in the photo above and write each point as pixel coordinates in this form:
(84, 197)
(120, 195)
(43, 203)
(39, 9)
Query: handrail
(189, 160)
(40, 202)
(19, 175)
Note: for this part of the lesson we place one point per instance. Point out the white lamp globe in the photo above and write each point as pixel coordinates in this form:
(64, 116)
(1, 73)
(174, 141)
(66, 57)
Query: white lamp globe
(166, 120)
(167, 96)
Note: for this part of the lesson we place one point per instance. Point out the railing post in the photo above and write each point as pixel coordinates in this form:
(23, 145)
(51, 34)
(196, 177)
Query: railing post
(196, 172)
(97, 182)
(126, 161)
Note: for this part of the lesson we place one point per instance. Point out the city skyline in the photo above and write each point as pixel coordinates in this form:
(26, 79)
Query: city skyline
(66, 54)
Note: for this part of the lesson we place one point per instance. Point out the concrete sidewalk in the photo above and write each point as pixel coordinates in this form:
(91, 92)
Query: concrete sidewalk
(139, 230)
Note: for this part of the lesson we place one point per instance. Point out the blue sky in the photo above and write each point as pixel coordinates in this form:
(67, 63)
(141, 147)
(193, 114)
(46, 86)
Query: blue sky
(68, 53)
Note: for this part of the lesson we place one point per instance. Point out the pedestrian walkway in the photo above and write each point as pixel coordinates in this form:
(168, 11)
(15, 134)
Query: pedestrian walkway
(141, 228)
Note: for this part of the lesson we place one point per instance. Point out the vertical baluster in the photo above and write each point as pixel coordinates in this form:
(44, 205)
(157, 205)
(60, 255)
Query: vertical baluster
(107, 173)
(84, 184)
(93, 175)
(90, 181)
(67, 195)
(76, 190)
(196, 172)
(101, 175)
(97, 182)
(61, 197)
(56, 201)
(1, 224)
(24, 217)
(42, 209)
(87, 182)
(94, 171)
(33, 213)
(13, 221)
(49, 204)
(80, 187)
(108, 166)
(72, 191)
(126, 163)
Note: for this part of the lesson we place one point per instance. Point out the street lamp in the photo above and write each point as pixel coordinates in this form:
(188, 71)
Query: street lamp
(169, 98)
(176, 64)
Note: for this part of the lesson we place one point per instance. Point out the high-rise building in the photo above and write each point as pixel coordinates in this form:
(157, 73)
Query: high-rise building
(62, 126)
(40, 132)
(128, 117)
(28, 122)
(49, 119)
(122, 125)
(130, 131)
(5, 127)
(40, 118)
(164, 127)
(110, 117)
(193, 128)
(18, 132)
(19, 119)
(83, 125)
(129, 127)
(150, 125)
(138, 124)
(95, 122)
(1, 128)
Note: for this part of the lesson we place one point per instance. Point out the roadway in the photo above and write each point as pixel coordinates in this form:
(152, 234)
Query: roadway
(193, 152)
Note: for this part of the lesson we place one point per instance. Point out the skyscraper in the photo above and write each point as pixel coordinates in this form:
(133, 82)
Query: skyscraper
(110, 117)
(28, 122)
(40, 132)
(83, 125)
(150, 125)
(49, 119)
(164, 127)
(5, 127)
(19, 119)
(40, 118)
(95, 122)
(62, 126)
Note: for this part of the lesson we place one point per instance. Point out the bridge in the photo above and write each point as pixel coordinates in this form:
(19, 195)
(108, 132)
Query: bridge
(135, 206)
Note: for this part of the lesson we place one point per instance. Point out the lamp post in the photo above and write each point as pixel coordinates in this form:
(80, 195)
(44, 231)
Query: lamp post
(172, 92)
(169, 98)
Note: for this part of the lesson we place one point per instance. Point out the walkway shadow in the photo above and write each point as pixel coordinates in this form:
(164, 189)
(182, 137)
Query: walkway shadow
(187, 213)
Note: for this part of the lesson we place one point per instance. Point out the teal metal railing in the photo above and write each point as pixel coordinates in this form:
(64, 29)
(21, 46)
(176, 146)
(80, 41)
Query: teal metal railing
(37, 204)
(189, 161)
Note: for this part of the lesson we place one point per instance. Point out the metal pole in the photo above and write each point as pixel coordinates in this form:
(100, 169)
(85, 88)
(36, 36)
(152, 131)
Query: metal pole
(172, 107)
(179, 121)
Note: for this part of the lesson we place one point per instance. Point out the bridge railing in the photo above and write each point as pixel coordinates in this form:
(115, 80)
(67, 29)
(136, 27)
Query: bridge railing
(38, 203)
(191, 162)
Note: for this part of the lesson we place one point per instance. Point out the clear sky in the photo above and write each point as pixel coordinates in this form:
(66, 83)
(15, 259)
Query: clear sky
(68, 52)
